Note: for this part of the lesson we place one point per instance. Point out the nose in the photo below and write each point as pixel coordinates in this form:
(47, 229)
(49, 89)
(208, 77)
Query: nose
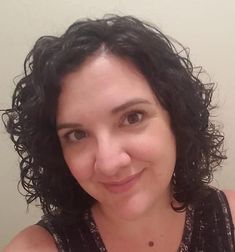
(110, 156)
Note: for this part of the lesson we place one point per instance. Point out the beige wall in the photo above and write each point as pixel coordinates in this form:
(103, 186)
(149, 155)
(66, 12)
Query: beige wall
(206, 26)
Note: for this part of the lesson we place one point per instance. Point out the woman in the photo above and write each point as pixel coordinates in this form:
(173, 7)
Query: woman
(113, 129)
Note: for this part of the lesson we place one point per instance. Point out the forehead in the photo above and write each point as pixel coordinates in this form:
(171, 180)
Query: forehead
(104, 71)
(105, 81)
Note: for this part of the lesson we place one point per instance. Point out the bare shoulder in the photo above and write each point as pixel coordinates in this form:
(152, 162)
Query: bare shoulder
(230, 194)
(34, 239)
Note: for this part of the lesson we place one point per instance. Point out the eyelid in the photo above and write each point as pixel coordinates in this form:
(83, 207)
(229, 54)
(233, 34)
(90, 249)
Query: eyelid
(132, 111)
(66, 135)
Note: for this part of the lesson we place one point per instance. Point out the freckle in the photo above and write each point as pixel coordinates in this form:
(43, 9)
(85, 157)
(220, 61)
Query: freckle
(151, 243)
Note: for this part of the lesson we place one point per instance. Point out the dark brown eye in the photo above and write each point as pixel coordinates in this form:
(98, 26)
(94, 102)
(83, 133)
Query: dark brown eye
(79, 134)
(133, 118)
(76, 135)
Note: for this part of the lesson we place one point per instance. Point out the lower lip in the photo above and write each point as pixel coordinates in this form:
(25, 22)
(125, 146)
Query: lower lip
(123, 187)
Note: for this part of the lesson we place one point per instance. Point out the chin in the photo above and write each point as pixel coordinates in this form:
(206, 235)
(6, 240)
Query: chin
(142, 204)
(134, 208)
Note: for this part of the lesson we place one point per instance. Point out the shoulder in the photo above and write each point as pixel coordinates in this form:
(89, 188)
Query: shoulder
(231, 201)
(33, 239)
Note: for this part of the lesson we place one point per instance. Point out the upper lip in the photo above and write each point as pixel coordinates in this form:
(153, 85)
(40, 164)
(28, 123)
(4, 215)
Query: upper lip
(123, 181)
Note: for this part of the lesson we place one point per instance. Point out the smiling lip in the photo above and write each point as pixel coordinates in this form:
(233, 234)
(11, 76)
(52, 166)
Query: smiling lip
(124, 185)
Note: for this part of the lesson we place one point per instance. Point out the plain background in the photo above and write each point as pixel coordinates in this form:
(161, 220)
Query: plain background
(207, 27)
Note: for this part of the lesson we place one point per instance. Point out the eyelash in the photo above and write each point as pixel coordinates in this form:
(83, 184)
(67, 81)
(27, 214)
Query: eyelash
(133, 112)
(71, 134)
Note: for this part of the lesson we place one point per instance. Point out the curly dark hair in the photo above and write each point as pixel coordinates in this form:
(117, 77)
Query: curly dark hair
(31, 121)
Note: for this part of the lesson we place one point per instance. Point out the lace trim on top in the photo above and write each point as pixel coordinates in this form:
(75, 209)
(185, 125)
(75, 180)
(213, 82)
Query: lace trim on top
(188, 230)
(227, 212)
(184, 245)
(90, 222)
(207, 228)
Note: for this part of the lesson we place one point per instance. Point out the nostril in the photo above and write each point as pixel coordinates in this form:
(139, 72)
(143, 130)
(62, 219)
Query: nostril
(111, 165)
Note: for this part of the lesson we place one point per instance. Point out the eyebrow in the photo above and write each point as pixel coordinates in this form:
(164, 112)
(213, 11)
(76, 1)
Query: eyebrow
(124, 106)
(130, 103)
(68, 126)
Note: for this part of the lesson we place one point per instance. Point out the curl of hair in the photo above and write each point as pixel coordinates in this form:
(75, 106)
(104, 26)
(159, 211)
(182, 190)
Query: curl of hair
(31, 121)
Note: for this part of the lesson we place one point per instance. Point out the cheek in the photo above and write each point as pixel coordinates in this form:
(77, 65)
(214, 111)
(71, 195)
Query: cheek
(155, 146)
(81, 166)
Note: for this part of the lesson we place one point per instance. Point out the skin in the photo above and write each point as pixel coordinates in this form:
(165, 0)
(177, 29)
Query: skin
(37, 239)
(32, 239)
(118, 143)
(112, 127)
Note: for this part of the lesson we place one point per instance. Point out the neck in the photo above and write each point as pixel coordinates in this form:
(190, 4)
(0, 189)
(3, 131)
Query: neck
(161, 230)
(156, 216)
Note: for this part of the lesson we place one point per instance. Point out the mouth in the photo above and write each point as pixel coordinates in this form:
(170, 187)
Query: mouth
(123, 185)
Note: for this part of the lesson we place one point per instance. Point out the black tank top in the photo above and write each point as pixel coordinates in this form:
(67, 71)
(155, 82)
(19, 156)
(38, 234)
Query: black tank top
(208, 228)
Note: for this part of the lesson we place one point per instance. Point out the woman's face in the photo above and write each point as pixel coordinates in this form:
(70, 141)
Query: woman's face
(116, 137)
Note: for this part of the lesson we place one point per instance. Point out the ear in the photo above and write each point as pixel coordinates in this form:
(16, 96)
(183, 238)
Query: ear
(231, 200)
